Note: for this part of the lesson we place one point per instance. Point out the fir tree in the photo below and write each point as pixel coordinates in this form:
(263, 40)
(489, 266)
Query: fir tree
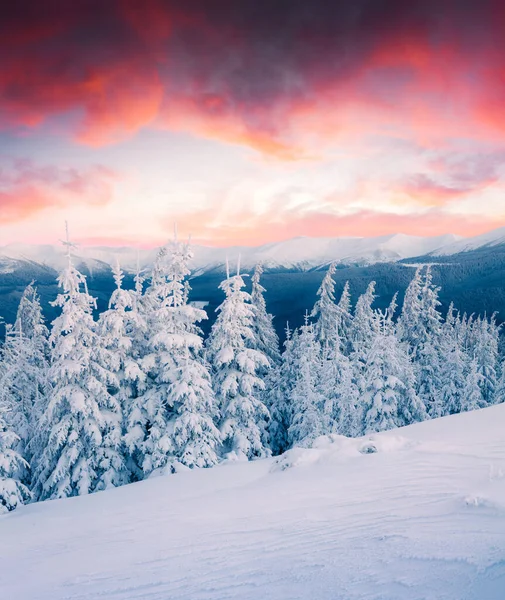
(196, 439)
(453, 366)
(485, 353)
(326, 312)
(135, 381)
(409, 323)
(23, 373)
(75, 418)
(363, 333)
(345, 320)
(472, 398)
(236, 365)
(115, 354)
(284, 377)
(426, 351)
(306, 401)
(266, 339)
(12, 491)
(175, 416)
(338, 387)
(389, 396)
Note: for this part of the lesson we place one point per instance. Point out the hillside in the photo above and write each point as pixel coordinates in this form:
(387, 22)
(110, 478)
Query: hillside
(423, 517)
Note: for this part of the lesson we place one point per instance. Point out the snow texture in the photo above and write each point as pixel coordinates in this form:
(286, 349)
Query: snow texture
(414, 514)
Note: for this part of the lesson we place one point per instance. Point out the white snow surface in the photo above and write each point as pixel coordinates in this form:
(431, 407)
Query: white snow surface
(489, 239)
(297, 253)
(415, 513)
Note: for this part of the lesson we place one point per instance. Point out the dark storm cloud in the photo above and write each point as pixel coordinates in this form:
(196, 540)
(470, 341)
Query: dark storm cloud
(238, 66)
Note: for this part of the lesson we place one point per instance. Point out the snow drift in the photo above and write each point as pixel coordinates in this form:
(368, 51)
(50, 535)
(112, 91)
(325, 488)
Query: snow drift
(415, 513)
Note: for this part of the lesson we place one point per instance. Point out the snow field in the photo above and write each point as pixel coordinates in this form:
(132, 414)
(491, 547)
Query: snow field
(422, 517)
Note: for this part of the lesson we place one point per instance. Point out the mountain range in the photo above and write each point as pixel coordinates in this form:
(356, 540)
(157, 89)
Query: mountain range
(296, 254)
(471, 271)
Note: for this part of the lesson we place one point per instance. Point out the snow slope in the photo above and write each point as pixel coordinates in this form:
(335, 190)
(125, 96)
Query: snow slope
(423, 517)
(491, 238)
(298, 253)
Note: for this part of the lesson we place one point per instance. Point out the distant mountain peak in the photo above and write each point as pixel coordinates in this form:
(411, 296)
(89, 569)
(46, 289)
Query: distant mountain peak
(298, 253)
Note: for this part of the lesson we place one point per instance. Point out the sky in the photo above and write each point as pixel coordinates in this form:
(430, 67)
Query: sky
(250, 121)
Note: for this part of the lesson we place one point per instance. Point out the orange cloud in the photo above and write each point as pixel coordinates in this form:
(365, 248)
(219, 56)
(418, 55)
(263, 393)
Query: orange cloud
(253, 229)
(28, 189)
(428, 192)
(281, 80)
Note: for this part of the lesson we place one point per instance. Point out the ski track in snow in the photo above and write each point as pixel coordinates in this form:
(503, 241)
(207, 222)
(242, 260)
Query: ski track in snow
(421, 521)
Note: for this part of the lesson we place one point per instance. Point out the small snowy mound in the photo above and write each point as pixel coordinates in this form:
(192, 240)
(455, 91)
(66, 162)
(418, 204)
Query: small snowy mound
(333, 447)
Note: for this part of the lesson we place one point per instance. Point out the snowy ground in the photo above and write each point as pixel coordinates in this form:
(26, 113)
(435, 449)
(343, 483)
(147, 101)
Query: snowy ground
(421, 518)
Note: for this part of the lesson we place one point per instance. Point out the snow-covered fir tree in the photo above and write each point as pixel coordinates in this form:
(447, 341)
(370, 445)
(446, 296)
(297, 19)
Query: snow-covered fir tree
(485, 353)
(419, 326)
(426, 348)
(308, 419)
(173, 421)
(23, 373)
(499, 395)
(338, 387)
(453, 366)
(135, 379)
(115, 352)
(147, 430)
(409, 323)
(196, 439)
(472, 397)
(12, 491)
(284, 377)
(326, 312)
(345, 319)
(77, 413)
(364, 331)
(389, 397)
(265, 337)
(236, 369)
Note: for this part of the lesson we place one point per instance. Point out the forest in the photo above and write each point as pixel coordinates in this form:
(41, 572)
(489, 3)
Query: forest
(92, 402)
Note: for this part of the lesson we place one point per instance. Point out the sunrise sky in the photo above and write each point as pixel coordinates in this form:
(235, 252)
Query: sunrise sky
(249, 121)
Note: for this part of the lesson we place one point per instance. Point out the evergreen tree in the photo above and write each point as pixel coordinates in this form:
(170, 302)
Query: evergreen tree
(472, 398)
(409, 324)
(363, 333)
(23, 373)
(326, 312)
(266, 339)
(238, 388)
(485, 353)
(174, 418)
(148, 433)
(419, 326)
(390, 399)
(283, 378)
(341, 395)
(344, 323)
(115, 354)
(12, 491)
(75, 419)
(499, 395)
(453, 366)
(306, 401)
(426, 352)
(135, 381)
(195, 437)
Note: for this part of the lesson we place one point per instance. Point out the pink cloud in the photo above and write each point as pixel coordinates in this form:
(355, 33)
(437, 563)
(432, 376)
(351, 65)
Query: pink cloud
(27, 188)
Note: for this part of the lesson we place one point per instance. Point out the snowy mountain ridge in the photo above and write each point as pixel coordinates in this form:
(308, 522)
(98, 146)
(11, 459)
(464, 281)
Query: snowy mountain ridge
(302, 253)
(492, 238)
